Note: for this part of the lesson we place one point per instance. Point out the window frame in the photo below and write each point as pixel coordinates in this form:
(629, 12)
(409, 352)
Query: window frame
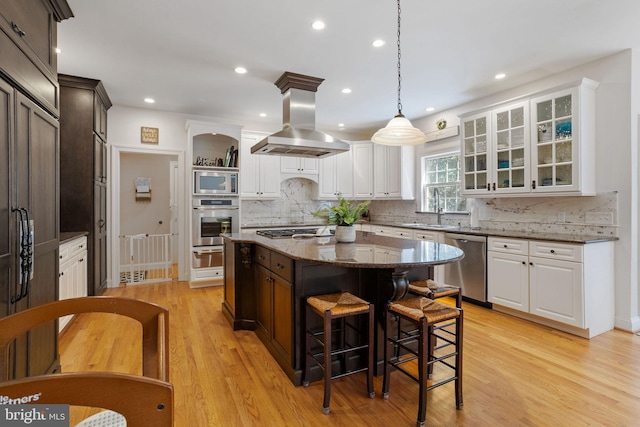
(426, 188)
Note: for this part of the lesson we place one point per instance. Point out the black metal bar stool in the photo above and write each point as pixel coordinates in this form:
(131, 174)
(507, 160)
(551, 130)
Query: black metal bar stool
(339, 305)
(434, 290)
(429, 319)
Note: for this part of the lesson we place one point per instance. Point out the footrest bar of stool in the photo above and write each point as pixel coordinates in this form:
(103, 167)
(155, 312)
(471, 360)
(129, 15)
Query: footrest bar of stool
(448, 380)
(344, 374)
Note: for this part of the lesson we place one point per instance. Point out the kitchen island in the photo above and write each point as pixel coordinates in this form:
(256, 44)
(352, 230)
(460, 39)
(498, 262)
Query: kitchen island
(268, 280)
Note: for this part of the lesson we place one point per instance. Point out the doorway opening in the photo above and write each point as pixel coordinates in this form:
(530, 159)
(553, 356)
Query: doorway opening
(149, 202)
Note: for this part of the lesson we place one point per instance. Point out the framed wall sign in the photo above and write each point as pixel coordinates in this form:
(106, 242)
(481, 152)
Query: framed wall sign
(149, 135)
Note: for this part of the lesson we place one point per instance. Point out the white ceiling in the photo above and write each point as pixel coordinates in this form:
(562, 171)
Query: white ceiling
(183, 53)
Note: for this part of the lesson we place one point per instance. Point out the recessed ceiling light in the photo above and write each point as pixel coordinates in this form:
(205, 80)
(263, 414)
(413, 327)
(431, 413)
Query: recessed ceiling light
(58, 50)
(240, 70)
(346, 90)
(263, 114)
(378, 43)
(149, 100)
(500, 76)
(430, 109)
(317, 25)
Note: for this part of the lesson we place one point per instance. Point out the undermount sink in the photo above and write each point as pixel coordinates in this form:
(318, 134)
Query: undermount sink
(431, 226)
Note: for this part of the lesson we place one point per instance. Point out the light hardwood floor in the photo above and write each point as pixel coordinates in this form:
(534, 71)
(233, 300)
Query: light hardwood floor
(516, 373)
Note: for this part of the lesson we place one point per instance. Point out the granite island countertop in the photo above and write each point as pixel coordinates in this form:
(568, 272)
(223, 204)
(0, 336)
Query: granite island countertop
(368, 251)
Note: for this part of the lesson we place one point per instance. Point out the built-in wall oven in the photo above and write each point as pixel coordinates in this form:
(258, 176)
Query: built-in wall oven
(210, 219)
(213, 217)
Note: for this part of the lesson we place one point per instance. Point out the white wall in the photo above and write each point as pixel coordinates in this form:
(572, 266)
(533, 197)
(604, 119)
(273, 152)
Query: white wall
(617, 158)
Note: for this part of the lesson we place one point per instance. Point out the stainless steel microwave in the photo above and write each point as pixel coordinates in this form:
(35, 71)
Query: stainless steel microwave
(215, 182)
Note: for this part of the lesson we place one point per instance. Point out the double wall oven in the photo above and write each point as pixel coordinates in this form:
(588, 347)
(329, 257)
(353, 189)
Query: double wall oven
(212, 217)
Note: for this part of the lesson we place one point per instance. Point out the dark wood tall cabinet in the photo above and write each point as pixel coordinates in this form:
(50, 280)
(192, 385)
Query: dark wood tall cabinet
(83, 169)
(29, 174)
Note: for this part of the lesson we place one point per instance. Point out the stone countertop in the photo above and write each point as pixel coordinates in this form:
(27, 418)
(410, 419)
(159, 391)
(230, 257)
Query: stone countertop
(66, 236)
(555, 237)
(368, 251)
(549, 236)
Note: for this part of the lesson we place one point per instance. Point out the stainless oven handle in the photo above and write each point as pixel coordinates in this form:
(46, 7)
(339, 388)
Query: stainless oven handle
(231, 208)
(208, 251)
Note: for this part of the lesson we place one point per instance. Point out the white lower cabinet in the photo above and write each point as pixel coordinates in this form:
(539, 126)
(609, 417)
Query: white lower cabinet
(568, 284)
(72, 278)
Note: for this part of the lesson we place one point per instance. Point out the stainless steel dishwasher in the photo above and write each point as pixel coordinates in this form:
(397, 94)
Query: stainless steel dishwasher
(470, 273)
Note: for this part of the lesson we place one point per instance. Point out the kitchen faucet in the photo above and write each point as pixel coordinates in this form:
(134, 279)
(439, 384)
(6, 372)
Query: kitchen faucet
(437, 207)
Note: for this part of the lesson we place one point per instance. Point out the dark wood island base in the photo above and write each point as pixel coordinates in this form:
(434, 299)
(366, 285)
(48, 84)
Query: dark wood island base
(267, 282)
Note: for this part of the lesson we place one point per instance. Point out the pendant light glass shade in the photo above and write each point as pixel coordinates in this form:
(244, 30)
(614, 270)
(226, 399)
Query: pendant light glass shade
(399, 131)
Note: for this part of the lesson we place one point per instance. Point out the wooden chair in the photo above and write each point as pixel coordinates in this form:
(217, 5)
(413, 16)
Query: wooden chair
(142, 400)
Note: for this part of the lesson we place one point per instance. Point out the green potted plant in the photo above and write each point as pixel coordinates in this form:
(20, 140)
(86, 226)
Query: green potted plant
(344, 215)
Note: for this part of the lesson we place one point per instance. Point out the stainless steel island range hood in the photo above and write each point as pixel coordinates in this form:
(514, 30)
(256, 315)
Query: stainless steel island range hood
(299, 137)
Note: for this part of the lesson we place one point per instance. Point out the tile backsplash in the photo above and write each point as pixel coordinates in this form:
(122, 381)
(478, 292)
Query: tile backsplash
(589, 215)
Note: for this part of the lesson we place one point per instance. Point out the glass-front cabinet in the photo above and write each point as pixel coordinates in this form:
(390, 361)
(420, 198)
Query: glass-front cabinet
(475, 136)
(540, 144)
(511, 142)
(558, 144)
(495, 146)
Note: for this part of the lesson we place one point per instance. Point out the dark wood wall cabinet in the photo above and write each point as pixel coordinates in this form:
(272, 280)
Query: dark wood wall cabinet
(83, 169)
(28, 38)
(29, 174)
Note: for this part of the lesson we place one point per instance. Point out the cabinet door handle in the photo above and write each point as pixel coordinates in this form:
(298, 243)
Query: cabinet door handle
(524, 263)
(488, 186)
(18, 30)
(533, 184)
(494, 186)
(531, 264)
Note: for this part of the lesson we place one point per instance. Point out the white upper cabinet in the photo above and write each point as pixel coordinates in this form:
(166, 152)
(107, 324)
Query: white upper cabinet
(336, 177)
(362, 153)
(476, 154)
(299, 166)
(259, 174)
(543, 144)
(394, 175)
(563, 140)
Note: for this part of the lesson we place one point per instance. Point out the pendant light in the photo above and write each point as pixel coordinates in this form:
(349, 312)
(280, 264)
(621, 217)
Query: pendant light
(399, 130)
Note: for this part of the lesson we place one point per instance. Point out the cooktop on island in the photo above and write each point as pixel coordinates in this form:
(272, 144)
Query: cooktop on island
(284, 233)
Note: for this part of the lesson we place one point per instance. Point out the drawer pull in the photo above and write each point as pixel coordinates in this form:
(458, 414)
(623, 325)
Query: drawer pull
(505, 246)
(279, 266)
(261, 257)
(552, 251)
(18, 30)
